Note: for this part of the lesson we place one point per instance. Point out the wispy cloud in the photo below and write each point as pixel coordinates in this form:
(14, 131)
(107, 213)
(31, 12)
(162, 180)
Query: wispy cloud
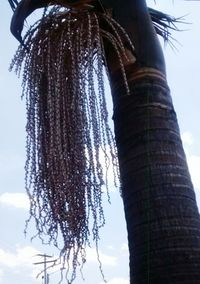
(17, 200)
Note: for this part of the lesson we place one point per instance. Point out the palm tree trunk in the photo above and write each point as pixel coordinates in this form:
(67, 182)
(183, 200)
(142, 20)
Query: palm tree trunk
(134, 17)
(159, 201)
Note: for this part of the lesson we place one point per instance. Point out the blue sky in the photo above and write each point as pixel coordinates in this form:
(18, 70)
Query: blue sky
(17, 253)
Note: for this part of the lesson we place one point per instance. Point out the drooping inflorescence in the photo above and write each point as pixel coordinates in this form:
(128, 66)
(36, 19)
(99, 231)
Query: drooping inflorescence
(67, 126)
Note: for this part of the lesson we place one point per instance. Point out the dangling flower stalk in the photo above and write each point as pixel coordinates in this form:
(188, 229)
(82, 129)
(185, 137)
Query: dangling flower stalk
(67, 126)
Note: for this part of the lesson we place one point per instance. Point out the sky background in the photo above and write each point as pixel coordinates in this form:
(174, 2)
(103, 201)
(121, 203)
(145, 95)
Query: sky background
(17, 253)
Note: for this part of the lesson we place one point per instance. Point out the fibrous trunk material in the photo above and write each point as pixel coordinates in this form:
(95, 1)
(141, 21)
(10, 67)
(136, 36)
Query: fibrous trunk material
(160, 206)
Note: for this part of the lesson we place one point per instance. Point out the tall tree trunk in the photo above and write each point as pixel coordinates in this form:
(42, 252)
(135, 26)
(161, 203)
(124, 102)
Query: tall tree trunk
(134, 17)
(159, 201)
(160, 207)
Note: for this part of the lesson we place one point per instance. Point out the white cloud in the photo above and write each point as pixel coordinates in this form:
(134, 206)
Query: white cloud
(194, 167)
(19, 262)
(193, 163)
(187, 138)
(124, 247)
(117, 281)
(106, 260)
(110, 247)
(22, 257)
(193, 160)
(17, 200)
(1, 276)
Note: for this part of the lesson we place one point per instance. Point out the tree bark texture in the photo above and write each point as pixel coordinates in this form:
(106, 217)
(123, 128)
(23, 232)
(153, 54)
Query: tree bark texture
(159, 201)
(134, 17)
